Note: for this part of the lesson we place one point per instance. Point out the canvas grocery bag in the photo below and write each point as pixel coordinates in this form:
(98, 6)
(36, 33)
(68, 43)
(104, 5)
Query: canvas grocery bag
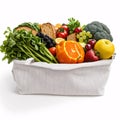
(61, 79)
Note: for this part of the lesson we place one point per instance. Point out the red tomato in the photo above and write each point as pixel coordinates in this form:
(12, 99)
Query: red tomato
(65, 27)
(53, 50)
(62, 33)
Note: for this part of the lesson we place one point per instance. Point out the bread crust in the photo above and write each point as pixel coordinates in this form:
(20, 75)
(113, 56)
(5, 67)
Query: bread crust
(48, 29)
(34, 32)
(72, 37)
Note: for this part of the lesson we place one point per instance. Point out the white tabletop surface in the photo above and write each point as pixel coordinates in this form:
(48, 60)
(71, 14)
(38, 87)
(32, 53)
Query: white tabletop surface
(43, 107)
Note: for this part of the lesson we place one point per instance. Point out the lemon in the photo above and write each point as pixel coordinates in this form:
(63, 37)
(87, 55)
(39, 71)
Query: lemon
(58, 40)
(58, 25)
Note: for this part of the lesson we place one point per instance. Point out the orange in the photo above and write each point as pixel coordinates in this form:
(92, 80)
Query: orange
(69, 52)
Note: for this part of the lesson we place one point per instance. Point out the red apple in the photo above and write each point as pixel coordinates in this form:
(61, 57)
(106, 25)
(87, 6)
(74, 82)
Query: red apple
(90, 56)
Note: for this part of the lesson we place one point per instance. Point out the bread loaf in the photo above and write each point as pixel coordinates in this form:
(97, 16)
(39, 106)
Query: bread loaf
(48, 29)
(34, 32)
(72, 37)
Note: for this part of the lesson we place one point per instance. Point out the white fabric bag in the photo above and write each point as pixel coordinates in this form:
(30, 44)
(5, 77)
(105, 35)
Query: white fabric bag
(61, 79)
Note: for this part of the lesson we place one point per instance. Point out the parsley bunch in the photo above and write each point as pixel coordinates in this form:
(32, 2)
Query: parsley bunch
(21, 45)
(73, 24)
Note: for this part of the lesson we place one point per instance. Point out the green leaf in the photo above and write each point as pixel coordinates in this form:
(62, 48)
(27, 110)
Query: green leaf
(5, 42)
(4, 58)
(12, 43)
(19, 55)
(73, 23)
(36, 47)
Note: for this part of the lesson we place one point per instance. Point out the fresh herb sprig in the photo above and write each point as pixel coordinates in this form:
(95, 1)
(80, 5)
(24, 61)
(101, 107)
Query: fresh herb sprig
(21, 45)
(73, 23)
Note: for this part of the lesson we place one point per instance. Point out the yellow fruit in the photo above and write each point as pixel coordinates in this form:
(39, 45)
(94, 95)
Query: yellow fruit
(105, 48)
(58, 25)
(82, 44)
(58, 40)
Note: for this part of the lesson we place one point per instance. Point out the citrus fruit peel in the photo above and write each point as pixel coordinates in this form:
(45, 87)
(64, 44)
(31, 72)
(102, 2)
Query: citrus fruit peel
(69, 52)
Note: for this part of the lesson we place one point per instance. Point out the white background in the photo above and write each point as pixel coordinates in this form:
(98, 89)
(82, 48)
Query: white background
(40, 107)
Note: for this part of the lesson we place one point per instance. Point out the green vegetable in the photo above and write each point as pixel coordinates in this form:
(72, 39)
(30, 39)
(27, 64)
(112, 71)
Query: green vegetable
(22, 45)
(99, 30)
(73, 24)
(34, 26)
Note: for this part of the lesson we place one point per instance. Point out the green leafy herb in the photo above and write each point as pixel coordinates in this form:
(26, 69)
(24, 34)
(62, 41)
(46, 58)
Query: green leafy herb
(73, 24)
(21, 44)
